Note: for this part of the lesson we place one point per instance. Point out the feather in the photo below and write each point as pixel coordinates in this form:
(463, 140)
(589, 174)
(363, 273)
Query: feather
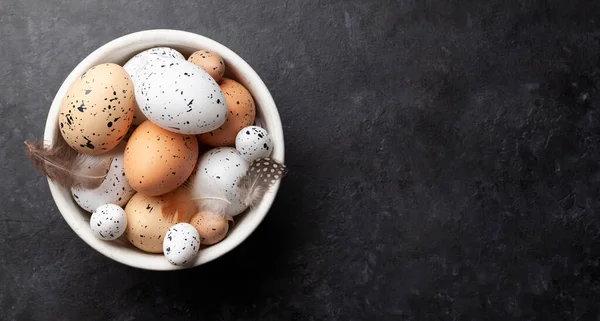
(65, 166)
(260, 177)
(180, 203)
(212, 199)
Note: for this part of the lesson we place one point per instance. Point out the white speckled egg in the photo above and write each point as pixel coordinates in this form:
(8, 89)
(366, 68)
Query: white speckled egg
(253, 142)
(135, 65)
(108, 222)
(181, 244)
(218, 172)
(180, 97)
(115, 188)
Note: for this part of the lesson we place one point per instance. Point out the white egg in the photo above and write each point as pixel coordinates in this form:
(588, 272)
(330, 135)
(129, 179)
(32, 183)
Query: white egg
(219, 171)
(136, 64)
(253, 142)
(115, 188)
(181, 243)
(180, 97)
(108, 222)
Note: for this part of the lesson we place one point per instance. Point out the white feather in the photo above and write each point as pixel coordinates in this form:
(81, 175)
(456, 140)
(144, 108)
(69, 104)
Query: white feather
(210, 198)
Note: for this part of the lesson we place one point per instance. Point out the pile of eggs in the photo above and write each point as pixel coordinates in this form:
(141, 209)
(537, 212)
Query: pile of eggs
(167, 123)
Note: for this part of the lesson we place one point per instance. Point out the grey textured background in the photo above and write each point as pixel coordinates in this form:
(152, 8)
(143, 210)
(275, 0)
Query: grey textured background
(443, 155)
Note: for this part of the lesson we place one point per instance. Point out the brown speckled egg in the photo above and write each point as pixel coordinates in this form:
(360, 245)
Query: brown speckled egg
(97, 110)
(210, 61)
(158, 161)
(148, 221)
(211, 227)
(241, 113)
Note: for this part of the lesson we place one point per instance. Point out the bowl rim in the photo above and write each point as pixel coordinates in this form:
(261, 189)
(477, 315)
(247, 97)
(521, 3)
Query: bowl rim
(267, 108)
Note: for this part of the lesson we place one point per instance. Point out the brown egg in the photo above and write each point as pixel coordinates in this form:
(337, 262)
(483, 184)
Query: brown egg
(209, 61)
(212, 227)
(97, 110)
(150, 217)
(241, 113)
(158, 161)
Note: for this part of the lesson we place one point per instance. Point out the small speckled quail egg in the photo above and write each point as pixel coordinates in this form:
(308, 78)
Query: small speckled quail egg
(253, 142)
(181, 244)
(211, 227)
(115, 188)
(210, 61)
(180, 97)
(135, 65)
(218, 173)
(108, 222)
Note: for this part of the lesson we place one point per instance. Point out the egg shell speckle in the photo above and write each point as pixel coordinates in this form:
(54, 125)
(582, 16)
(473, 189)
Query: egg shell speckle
(241, 113)
(253, 142)
(210, 61)
(97, 110)
(114, 189)
(108, 222)
(158, 161)
(180, 97)
(137, 63)
(181, 244)
(146, 219)
(219, 171)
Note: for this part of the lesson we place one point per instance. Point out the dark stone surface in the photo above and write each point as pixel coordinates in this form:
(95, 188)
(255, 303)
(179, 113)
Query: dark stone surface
(443, 154)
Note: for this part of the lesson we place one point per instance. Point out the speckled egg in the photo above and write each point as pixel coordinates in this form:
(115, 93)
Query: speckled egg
(108, 222)
(115, 188)
(181, 244)
(158, 161)
(210, 61)
(180, 97)
(97, 110)
(211, 227)
(138, 62)
(253, 142)
(135, 64)
(241, 113)
(150, 217)
(219, 171)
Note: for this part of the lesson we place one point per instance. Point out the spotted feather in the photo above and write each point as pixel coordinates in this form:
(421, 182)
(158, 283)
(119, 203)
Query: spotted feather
(260, 177)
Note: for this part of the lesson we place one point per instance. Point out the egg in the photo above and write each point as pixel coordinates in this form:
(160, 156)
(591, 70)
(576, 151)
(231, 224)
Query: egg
(114, 189)
(241, 113)
(135, 65)
(219, 171)
(158, 161)
(150, 217)
(108, 222)
(180, 97)
(97, 110)
(138, 62)
(253, 142)
(210, 61)
(211, 227)
(181, 244)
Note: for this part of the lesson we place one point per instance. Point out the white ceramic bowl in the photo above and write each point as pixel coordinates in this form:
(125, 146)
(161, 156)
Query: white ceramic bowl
(119, 51)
